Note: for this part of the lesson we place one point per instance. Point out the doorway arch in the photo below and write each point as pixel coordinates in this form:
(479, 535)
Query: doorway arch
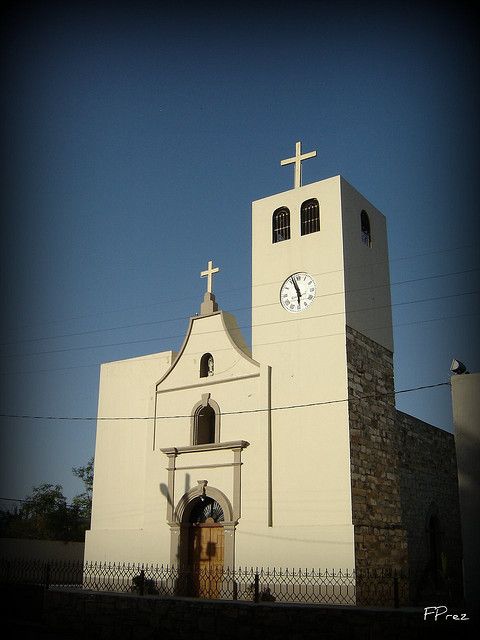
(205, 547)
(188, 515)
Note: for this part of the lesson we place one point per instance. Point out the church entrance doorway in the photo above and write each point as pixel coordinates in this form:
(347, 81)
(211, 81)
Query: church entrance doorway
(206, 547)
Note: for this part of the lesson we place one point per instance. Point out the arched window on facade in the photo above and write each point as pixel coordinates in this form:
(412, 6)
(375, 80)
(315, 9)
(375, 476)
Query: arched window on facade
(204, 427)
(207, 365)
(309, 217)
(206, 509)
(281, 225)
(365, 227)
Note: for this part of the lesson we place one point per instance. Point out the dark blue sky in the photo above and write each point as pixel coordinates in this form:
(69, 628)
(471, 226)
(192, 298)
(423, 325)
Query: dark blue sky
(134, 138)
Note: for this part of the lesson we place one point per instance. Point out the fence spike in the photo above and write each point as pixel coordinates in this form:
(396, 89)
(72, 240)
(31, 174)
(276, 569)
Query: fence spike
(283, 584)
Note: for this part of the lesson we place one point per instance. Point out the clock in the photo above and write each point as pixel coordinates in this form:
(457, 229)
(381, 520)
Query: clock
(297, 292)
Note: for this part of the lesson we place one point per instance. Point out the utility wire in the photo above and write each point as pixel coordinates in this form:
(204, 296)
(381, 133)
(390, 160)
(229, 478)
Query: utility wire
(115, 344)
(229, 413)
(67, 504)
(234, 309)
(221, 290)
(152, 357)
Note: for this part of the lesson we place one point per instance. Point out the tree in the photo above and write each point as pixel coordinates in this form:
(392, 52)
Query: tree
(45, 514)
(84, 500)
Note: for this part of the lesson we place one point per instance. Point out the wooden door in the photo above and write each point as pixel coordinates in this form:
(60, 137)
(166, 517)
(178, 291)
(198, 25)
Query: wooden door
(206, 558)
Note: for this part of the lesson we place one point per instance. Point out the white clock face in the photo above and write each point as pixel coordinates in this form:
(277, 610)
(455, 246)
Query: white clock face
(297, 292)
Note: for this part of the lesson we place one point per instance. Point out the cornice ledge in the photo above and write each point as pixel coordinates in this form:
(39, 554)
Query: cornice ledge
(211, 446)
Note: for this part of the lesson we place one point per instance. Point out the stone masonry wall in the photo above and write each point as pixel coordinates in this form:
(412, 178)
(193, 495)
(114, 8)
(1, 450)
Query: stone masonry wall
(403, 471)
(429, 487)
(74, 615)
(380, 535)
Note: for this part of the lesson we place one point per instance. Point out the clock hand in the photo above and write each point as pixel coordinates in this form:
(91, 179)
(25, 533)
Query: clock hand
(297, 288)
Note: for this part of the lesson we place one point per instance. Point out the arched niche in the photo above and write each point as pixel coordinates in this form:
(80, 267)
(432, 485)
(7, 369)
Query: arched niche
(205, 421)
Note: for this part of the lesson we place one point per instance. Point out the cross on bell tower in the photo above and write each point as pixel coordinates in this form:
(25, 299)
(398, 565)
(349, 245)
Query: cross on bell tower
(209, 305)
(297, 160)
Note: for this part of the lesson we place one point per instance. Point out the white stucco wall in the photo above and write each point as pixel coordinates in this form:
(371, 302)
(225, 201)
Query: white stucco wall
(288, 403)
(127, 389)
(466, 421)
(311, 461)
(366, 268)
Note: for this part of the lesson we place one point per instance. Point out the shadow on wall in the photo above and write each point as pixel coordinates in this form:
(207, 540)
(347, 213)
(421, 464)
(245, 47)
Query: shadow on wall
(430, 508)
(166, 493)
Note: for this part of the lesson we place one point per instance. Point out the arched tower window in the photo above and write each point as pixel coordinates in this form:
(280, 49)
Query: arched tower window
(204, 427)
(309, 217)
(281, 225)
(365, 226)
(207, 365)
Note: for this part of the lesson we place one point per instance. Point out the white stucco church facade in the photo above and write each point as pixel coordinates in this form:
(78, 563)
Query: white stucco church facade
(260, 436)
(248, 452)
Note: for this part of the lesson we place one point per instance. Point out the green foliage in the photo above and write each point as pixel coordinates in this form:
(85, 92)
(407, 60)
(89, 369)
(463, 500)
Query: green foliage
(83, 502)
(86, 475)
(45, 514)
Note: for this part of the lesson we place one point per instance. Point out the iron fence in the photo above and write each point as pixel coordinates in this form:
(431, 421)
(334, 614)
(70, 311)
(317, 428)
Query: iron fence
(383, 587)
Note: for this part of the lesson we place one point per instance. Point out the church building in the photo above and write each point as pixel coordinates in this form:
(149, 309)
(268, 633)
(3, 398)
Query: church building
(290, 453)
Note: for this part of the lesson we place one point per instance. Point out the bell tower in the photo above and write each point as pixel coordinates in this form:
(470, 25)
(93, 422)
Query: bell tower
(330, 232)
(319, 266)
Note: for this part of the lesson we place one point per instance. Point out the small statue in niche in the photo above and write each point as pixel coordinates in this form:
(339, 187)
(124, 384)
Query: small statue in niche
(210, 366)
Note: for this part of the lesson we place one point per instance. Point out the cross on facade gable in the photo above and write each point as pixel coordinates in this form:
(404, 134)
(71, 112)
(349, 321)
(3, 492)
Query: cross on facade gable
(297, 160)
(208, 273)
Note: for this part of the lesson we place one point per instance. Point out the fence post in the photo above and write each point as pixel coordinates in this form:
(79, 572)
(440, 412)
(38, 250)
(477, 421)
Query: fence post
(47, 577)
(142, 582)
(256, 595)
(396, 597)
(46, 586)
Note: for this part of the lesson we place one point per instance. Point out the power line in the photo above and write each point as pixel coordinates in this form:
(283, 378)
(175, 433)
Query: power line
(352, 268)
(67, 504)
(115, 344)
(235, 309)
(143, 306)
(329, 335)
(228, 413)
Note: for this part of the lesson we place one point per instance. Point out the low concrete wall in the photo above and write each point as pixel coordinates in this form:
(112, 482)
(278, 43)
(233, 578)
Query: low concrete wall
(105, 616)
(42, 550)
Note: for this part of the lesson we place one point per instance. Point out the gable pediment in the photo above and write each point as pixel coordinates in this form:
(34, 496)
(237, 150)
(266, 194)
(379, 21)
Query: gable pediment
(217, 335)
